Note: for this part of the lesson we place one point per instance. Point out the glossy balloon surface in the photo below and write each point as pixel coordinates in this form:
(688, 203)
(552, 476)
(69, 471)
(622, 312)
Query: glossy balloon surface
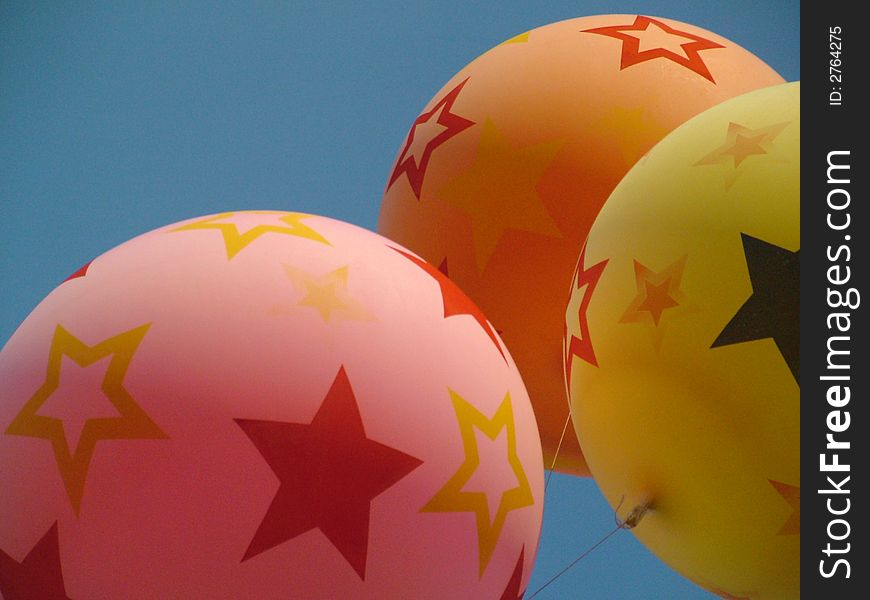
(263, 405)
(502, 174)
(684, 324)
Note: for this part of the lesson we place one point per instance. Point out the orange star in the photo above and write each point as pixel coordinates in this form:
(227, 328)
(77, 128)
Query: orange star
(792, 495)
(657, 299)
(430, 130)
(235, 241)
(632, 129)
(745, 146)
(132, 423)
(656, 293)
(648, 39)
(741, 143)
(577, 340)
(498, 192)
(453, 498)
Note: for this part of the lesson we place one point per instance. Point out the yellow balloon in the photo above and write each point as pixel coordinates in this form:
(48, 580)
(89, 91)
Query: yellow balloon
(685, 304)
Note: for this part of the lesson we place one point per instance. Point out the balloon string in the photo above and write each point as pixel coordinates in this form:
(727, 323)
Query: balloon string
(574, 562)
(630, 522)
(558, 448)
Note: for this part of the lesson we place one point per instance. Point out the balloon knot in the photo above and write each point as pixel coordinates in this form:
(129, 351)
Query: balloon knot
(634, 517)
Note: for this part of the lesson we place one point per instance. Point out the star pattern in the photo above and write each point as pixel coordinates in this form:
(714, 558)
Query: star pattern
(455, 300)
(81, 272)
(39, 575)
(522, 38)
(131, 424)
(329, 473)
(499, 191)
(773, 308)
(429, 131)
(577, 340)
(328, 294)
(454, 498)
(236, 241)
(444, 268)
(740, 144)
(513, 590)
(649, 39)
(633, 130)
(792, 495)
(657, 292)
(657, 299)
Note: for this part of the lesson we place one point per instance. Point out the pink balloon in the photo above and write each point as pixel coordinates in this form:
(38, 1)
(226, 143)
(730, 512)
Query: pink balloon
(264, 405)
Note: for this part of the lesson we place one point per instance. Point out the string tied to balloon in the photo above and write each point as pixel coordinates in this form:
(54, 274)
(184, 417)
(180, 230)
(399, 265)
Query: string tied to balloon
(634, 516)
(632, 519)
(558, 448)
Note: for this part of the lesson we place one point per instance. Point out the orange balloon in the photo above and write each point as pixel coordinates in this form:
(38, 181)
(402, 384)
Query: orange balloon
(502, 174)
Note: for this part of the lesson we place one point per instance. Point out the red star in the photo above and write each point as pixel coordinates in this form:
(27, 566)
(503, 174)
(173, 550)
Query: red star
(455, 300)
(581, 346)
(512, 591)
(39, 575)
(444, 268)
(656, 293)
(329, 473)
(632, 54)
(792, 495)
(82, 271)
(657, 299)
(430, 130)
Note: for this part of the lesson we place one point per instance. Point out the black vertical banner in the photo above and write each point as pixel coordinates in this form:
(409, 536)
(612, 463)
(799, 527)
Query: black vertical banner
(834, 262)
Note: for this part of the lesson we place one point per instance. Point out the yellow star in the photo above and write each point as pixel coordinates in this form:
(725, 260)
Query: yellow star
(132, 423)
(631, 130)
(452, 497)
(328, 294)
(741, 143)
(522, 38)
(499, 191)
(235, 241)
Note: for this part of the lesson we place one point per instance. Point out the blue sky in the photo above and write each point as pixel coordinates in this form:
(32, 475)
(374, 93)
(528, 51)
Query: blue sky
(116, 118)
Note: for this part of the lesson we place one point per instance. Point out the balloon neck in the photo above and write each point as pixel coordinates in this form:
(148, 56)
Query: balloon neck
(634, 516)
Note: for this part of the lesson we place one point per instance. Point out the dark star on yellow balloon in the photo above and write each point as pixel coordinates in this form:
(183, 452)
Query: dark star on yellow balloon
(773, 308)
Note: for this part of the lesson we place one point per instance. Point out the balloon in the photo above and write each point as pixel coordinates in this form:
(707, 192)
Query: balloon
(686, 298)
(502, 174)
(263, 405)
